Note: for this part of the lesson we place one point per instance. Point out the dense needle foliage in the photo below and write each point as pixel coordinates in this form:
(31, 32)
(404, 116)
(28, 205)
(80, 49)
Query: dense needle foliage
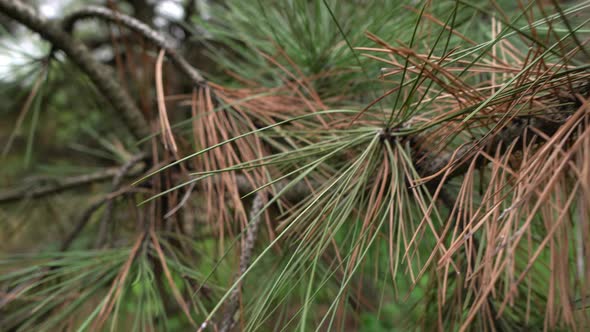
(297, 165)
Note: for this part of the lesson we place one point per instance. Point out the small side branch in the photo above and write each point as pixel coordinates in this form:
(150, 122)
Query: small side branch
(117, 182)
(61, 185)
(107, 199)
(245, 257)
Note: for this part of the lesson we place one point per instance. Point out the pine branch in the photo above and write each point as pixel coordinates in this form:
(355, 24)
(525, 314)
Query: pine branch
(139, 28)
(117, 182)
(429, 163)
(61, 185)
(101, 75)
(246, 254)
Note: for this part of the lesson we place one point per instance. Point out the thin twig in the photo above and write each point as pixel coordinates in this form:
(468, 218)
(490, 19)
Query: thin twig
(245, 256)
(60, 185)
(117, 181)
(183, 201)
(82, 222)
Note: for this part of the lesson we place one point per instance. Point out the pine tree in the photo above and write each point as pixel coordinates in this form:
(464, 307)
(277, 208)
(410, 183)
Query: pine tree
(312, 165)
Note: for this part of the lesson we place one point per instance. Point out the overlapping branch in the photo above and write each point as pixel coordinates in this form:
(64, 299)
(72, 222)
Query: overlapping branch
(51, 187)
(433, 165)
(93, 12)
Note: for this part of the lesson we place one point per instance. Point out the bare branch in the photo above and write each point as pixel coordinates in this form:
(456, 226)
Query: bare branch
(140, 28)
(60, 185)
(117, 181)
(245, 257)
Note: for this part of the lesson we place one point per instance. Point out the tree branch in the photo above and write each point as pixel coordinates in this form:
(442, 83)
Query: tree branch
(101, 75)
(460, 159)
(140, 28)
(117, 182)
(60, 185)
(245, 257)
